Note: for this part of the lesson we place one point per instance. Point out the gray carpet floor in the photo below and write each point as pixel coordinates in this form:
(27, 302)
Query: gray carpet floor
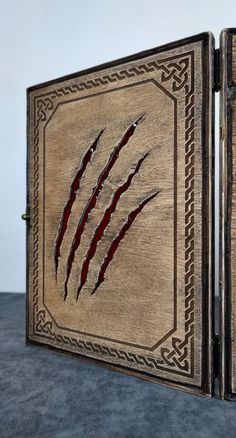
(44, 394)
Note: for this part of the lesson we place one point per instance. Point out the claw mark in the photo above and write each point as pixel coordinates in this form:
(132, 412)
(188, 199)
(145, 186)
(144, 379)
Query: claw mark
(75, 185)
(104, 223)
(93, 199)
(115, 243)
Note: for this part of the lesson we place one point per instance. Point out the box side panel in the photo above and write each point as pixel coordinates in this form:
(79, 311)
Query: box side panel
(228, 213)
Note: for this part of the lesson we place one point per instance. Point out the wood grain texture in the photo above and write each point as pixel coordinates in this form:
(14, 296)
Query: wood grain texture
(151, 113)
(233, 219)
(233, 246)
(234, 58)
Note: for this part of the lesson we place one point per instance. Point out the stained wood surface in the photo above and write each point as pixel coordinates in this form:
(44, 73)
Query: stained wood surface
(233, 239)
(119, 252)
(228, 213)
(233, 242)
(234, 58)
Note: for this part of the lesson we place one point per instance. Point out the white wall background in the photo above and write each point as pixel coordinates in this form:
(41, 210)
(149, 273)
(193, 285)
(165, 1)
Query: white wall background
(44, 39)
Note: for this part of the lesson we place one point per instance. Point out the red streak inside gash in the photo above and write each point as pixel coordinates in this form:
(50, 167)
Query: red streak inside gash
(73, 192)
(104, 223)
(93, 199)
(115, 243)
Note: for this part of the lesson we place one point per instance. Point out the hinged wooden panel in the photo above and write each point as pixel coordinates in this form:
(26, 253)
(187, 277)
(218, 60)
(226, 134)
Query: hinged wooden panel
(228, 213)
(120, 201)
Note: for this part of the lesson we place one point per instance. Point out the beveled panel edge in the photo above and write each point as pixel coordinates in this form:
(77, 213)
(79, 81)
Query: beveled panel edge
(228, 88)
(207, 203)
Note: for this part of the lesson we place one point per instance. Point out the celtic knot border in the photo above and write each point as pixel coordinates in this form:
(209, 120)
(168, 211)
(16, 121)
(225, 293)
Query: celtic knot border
(177, 71)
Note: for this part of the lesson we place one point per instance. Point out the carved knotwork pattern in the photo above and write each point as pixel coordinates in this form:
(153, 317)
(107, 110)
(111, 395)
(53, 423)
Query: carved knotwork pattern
(45, 327)
(175, 71)
(176, 357)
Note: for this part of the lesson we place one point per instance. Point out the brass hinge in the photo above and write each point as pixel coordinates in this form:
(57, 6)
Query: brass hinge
(217, 70)
(216, 356)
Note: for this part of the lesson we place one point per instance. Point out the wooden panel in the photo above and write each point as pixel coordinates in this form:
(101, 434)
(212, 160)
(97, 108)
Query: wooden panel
(228, 213)
(119, 194)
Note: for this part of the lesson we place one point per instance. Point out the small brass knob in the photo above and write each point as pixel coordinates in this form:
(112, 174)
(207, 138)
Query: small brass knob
(25, 217)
